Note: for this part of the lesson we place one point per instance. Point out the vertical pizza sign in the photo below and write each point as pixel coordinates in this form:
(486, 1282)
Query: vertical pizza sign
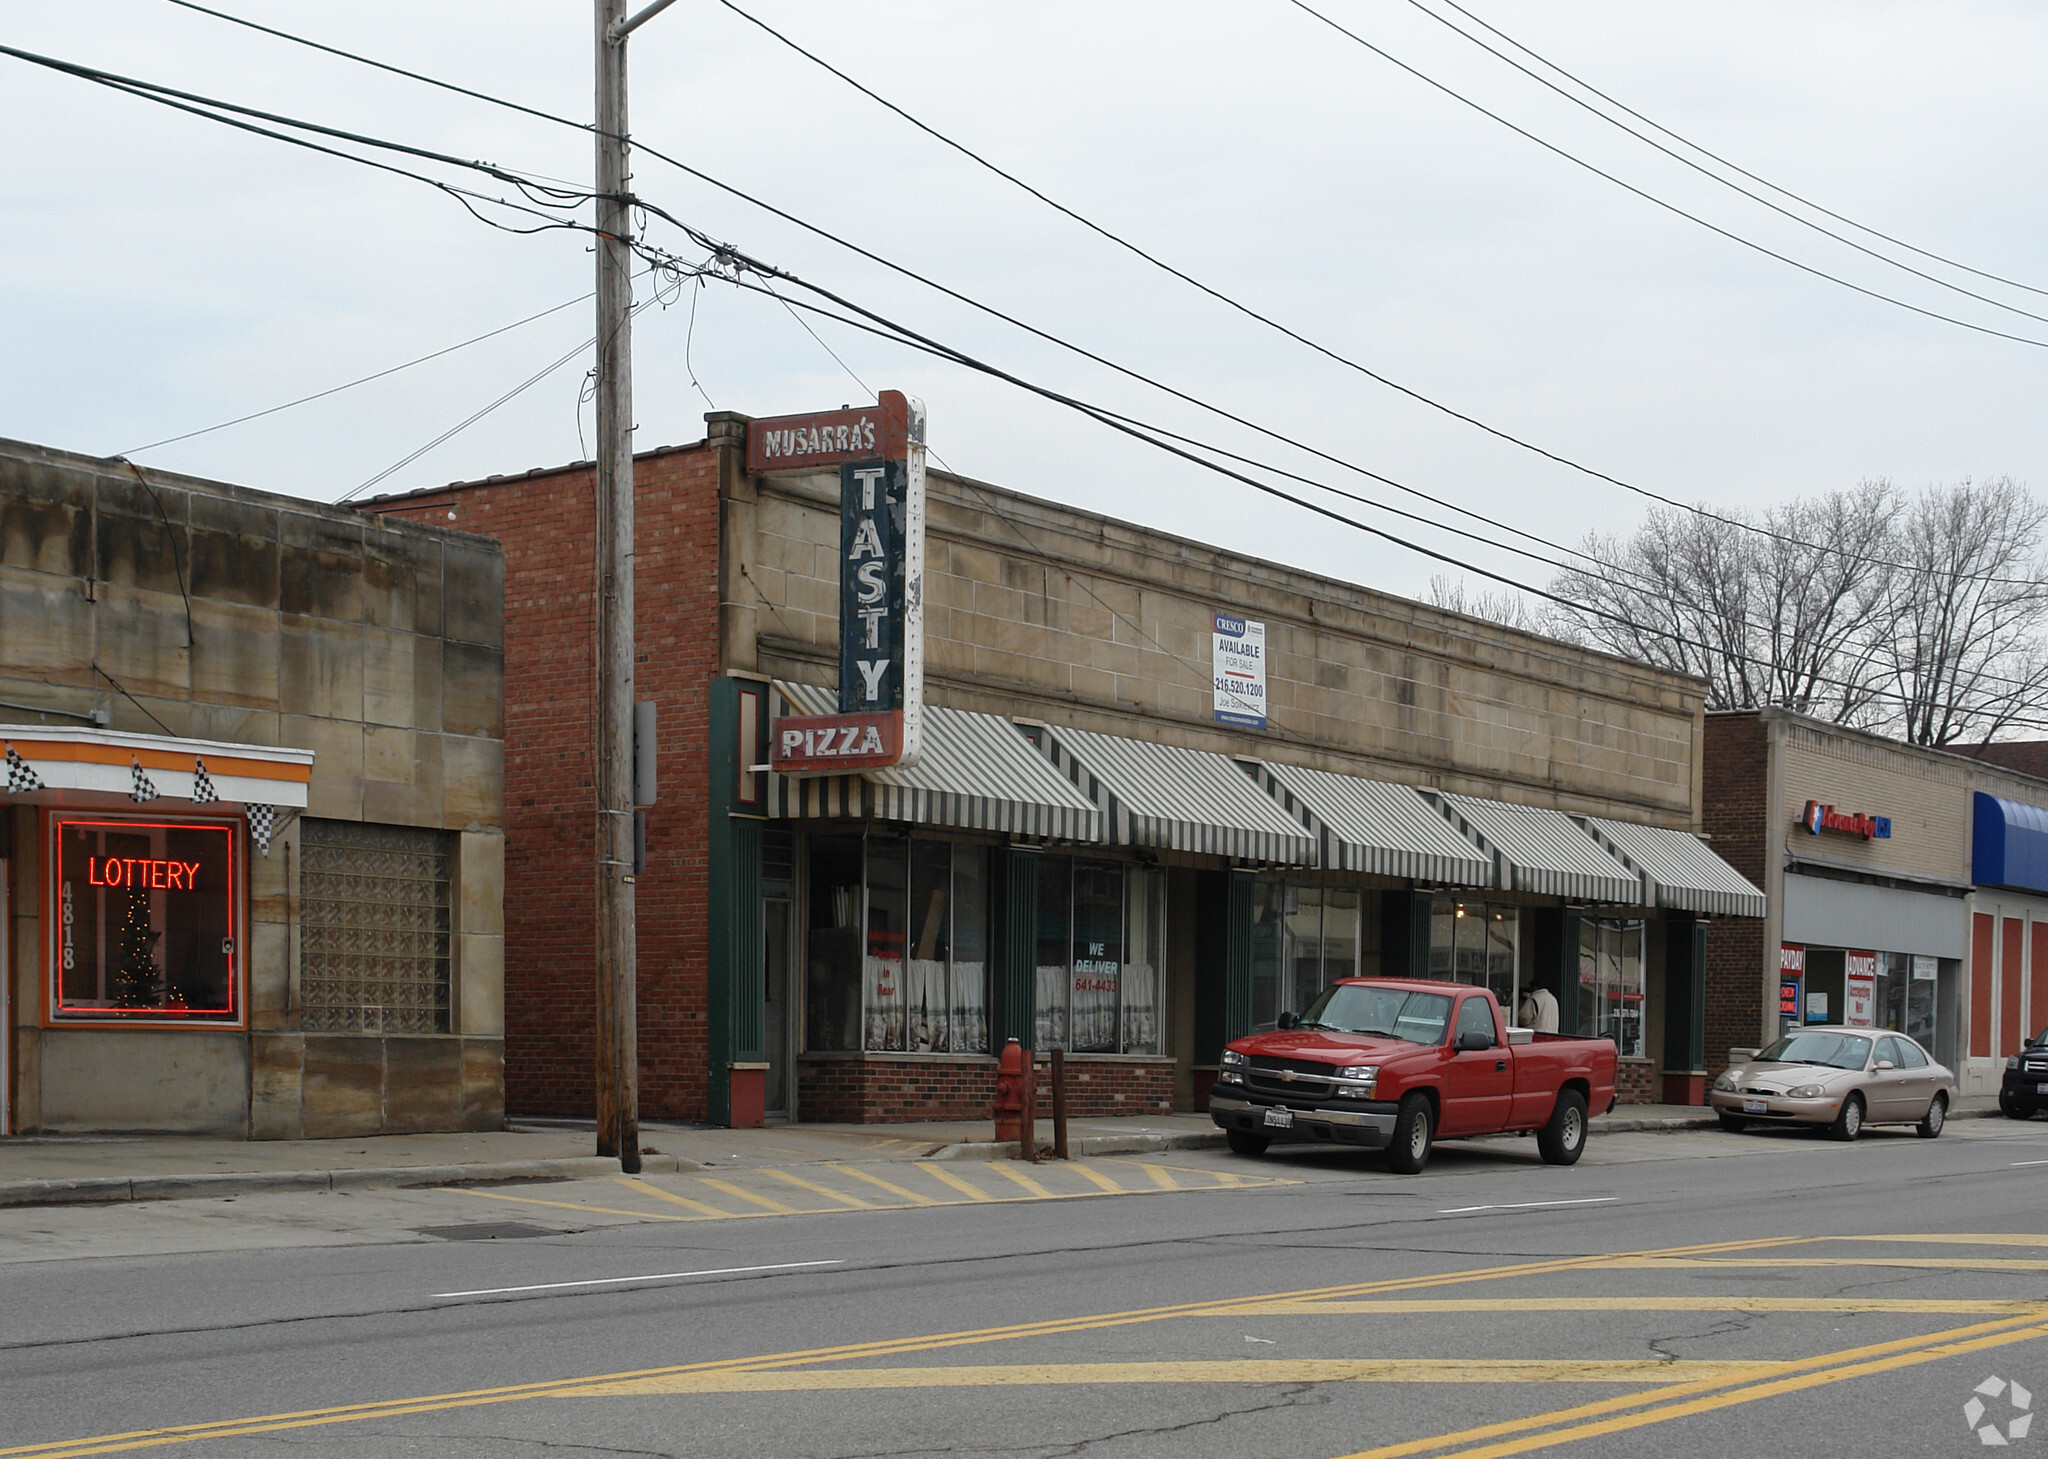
(879, 452)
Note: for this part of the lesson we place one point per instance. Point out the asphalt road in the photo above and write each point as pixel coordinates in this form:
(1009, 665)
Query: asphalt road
(1698, 1293)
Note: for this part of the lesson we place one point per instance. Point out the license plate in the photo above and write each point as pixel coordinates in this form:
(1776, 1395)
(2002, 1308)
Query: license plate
(1280, 1119)
(1756, 1106)
(2041, 1089)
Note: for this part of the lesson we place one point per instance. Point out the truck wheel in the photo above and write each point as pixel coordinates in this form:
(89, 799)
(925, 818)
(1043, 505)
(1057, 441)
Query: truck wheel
(1244, 1142)
(1563, 1140)
(1849, 1123)
(2012, 1109)
(1936, 1116)
(1733, 1124)
(1408, 1151)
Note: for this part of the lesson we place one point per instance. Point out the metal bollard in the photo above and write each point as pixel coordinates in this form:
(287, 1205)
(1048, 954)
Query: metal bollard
(1028, 1122)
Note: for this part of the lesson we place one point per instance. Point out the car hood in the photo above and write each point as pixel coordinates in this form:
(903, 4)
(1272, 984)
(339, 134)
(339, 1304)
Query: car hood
(1323, 1047)
(1780, 1077)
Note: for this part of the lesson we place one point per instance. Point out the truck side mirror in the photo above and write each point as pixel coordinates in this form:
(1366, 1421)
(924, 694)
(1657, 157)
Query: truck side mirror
(1286, 1020)
(1472, 1040)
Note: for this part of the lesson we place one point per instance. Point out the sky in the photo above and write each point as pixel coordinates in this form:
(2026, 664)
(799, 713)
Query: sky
(160, 274)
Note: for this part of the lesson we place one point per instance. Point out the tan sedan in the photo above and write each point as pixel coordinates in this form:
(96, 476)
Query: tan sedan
(1844, 1078)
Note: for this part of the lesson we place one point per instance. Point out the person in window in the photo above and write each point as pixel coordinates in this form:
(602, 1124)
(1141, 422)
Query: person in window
(1538, 1010)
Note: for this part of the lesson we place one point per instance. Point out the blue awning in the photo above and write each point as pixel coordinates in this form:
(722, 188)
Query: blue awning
(2009, 845)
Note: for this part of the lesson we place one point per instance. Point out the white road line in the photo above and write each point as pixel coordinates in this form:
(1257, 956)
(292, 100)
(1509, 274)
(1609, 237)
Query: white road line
(2030, 1162)
(1532, 1205)
(729, 1271)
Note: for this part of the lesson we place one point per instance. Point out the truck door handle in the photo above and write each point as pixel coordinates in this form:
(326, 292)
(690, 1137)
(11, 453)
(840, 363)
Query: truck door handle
(1499, 1064)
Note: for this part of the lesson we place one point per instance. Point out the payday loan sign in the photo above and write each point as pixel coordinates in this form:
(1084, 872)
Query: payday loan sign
(879, 454)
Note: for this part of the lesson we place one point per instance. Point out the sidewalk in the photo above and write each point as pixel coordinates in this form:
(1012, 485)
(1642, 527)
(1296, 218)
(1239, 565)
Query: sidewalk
(86, 1169)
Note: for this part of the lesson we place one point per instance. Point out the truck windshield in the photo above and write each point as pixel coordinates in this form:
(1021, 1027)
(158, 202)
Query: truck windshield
(1832, 1050)
(1419, 1018)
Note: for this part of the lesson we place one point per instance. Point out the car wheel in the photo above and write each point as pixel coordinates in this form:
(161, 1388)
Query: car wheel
(1414, 1128)
(2012, 1109)
(1244, 1142)
(1849, 1123)
(1936, 1116)
(1733, 1124)
(1563, 1140)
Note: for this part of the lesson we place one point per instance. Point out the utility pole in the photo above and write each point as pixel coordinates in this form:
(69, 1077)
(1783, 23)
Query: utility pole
(618, 1059)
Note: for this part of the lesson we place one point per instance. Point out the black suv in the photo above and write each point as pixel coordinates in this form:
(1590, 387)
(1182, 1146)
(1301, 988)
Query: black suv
(2025, 1089)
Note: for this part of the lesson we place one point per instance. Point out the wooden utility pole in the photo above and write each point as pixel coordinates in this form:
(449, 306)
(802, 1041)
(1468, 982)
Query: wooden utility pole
(618, 1060)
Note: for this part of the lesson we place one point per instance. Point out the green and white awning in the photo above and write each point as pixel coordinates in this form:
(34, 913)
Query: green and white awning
(1372, 826)
(1678, 869)
(1543, 851)
(975, 772)
(1172, 798)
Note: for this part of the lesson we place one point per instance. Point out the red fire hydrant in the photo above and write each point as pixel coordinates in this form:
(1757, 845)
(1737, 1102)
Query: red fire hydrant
(1013, 1086)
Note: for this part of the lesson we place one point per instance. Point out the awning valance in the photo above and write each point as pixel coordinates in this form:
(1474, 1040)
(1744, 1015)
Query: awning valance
(2009, 844)
(1678, 869)
(975, 772)
(149, 768)
(1174, 798)
(1543, 851)
(1372, 826)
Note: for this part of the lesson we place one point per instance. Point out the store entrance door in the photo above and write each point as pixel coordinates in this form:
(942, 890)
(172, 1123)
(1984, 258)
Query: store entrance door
(778, 1019)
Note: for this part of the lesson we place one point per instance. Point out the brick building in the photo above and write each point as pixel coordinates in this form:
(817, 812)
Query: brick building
(1087, 854)
(1907, 888)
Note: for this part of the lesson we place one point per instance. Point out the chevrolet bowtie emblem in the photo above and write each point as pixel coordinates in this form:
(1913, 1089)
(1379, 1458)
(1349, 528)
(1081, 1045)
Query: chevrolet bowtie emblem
(1286, 1076)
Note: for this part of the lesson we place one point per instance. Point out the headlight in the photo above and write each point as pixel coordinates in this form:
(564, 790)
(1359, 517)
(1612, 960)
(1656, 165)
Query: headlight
(1360, 1071)
(1232, 1056)
(2013, 1062)
(1806, 1091)
(1726, 1083)
(1357, 1082)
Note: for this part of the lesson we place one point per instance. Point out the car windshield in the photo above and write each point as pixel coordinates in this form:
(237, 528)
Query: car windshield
(1419, 1018)
(1834, 1050)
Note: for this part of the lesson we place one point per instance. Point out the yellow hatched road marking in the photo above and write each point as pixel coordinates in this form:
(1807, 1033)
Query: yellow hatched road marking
(1021, 1179)
(895, 1190)
(1282, 1370)
(1089, 1172)
(742, 1193)
(649, 1189)
(1683, 1302)
(853, 1202)
(1161, 1177)
(558, 1205)
(958, 1182)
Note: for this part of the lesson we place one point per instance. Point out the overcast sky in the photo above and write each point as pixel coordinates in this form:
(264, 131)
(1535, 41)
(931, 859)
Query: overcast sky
(160, 273)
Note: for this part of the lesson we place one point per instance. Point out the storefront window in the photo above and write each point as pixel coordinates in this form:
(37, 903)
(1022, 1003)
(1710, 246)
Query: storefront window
(1905, 995)
(1303, 938)
(1475, 942)
(897, 946)
(1100, 936)
(146, 918)
(1611, 982)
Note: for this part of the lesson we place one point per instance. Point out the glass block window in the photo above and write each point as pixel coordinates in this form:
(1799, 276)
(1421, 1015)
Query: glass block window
(374, 928)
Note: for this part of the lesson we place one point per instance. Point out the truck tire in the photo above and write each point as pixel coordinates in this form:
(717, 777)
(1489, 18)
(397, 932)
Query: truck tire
(1936, 1116)
(1733, 1124)
(1244, 1142)
(1563, 1140)
(2012, 1109)
(1849, 1123)
(1414, 1129)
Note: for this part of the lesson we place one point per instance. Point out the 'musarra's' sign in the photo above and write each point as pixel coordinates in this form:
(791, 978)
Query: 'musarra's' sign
(880, 456)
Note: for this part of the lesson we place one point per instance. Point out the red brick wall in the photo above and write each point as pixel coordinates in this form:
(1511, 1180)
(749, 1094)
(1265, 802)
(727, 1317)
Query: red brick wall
(862, 1091)
(1734, 778)
(545, 523)
(1635, 1082)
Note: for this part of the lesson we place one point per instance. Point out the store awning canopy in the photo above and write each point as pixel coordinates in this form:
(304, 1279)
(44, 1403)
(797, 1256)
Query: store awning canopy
(2009, 844)
(1678, 869)
(975, 772)
(1372, 826)
(1172, 798)
(1543, 851)
(151, 769)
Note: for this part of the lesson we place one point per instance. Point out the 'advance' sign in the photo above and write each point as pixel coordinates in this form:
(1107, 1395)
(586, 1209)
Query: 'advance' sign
(880, 456)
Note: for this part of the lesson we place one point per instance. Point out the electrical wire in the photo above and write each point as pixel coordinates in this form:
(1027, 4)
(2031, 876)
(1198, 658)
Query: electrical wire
(1688, 143)
(837, 240)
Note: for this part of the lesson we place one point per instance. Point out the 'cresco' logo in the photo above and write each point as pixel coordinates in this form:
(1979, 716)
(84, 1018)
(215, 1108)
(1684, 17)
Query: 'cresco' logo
(1819, 817)
(1230, 627)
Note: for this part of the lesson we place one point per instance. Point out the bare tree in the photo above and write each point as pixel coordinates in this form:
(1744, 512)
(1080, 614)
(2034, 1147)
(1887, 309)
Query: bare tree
(1506, 607)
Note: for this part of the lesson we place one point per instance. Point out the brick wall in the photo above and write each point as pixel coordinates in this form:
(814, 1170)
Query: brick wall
(877, 1089)
(1735, 769)
(1635, 1082)
(545, 522)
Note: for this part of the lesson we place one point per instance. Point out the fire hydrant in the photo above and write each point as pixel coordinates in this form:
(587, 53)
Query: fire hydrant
(1013, 1087)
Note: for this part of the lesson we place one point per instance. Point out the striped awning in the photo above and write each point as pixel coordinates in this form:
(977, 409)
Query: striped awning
(44, 761)
(1174, 798)
(1372, 826)
(975, 771)
(1543, 851)
(1678, 869)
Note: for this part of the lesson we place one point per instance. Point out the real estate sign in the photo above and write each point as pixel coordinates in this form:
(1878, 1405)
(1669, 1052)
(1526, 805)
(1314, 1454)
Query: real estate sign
(1238, 665)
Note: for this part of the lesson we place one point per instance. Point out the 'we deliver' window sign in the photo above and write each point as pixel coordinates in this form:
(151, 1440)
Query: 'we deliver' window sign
(1239, 667)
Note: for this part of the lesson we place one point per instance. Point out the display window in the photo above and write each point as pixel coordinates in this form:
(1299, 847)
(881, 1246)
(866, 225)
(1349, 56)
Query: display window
(1476, 942)
(1304, 937)
(1611, 982)
(144, 921)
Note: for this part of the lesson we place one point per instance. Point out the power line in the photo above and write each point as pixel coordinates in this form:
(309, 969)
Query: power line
(1452, 412)
(1691, 145)
(1673, 208)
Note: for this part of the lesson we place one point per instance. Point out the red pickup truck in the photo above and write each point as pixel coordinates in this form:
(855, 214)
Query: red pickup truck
(1390, 1063)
